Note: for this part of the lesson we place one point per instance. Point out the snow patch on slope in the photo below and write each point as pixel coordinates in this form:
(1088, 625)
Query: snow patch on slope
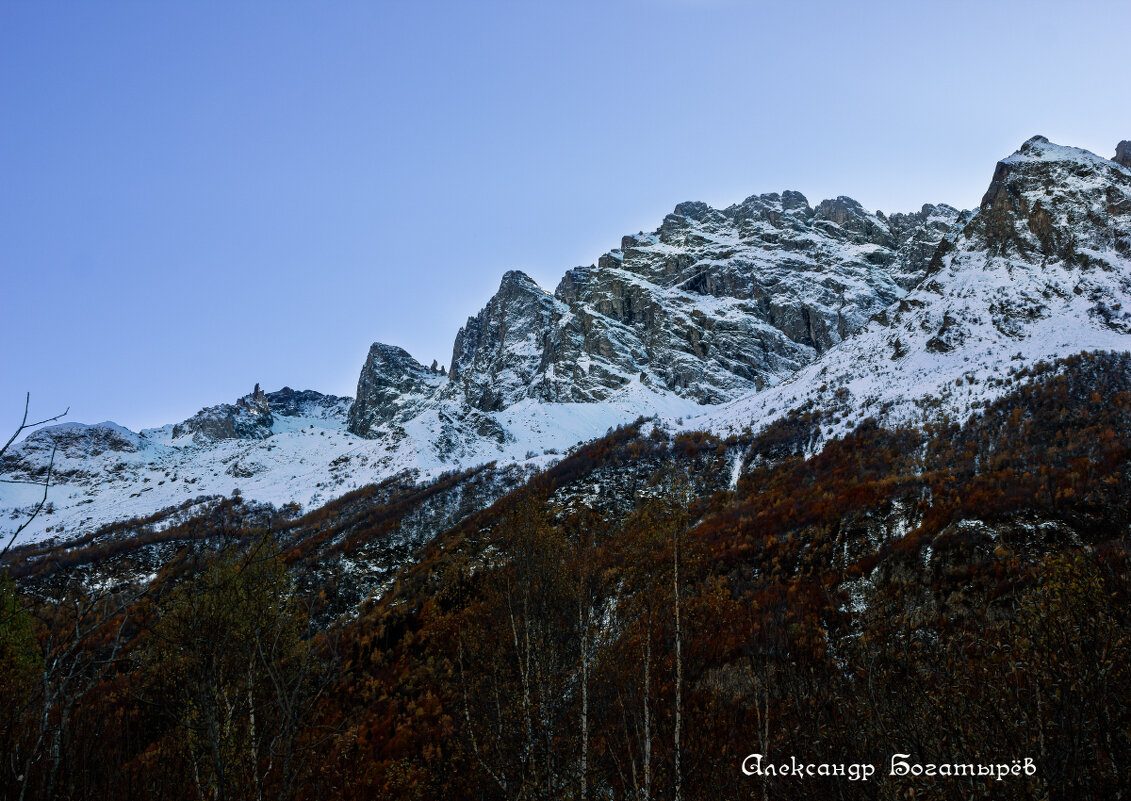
(305, 459)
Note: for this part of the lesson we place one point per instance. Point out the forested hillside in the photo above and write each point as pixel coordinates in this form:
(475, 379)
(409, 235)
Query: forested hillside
(625, 624)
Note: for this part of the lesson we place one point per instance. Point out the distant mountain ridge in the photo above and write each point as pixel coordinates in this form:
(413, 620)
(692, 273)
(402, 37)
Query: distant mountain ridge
(1042, 270)
(718, 319)
(711, 305)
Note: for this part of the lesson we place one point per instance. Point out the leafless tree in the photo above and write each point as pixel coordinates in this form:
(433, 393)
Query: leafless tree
(82, 634)
(26, 426)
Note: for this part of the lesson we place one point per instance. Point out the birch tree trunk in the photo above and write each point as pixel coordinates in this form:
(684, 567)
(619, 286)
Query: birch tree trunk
(647, 715)
(678, 669)
(582, 628)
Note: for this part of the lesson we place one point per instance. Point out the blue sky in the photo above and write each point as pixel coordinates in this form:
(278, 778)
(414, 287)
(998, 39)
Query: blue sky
(198, 196)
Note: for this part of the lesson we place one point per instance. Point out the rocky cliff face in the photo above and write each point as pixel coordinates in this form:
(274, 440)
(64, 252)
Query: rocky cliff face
(500, 351)
(248, 418)
(392, 387)
(303, 403)
(919, 235)
(1049, 202)
(1123, 154)
(1041, 270)
(718, 319)
(711, 305)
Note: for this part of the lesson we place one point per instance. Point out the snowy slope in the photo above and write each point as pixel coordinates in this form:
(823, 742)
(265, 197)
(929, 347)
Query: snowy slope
(719, 320)
(104, 473)
(711, 305)
(1041, 271)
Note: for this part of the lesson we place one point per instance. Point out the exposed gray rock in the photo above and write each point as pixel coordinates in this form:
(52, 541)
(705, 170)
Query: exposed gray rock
(1123, 154)
(499, 352)
(248, 418)
(288, 402)
(918, 234)
(392, 387)
(1022, 216)
(1040, 271)
(770, 294)
(77, 440)
(713, 304)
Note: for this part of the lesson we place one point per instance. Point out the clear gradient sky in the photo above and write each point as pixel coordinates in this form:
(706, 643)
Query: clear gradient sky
(198, 196)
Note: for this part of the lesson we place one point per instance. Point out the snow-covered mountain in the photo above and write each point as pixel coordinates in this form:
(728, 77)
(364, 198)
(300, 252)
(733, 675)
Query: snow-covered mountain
(1042, 270)
(278, 447)
(710, 306)
(718, 319)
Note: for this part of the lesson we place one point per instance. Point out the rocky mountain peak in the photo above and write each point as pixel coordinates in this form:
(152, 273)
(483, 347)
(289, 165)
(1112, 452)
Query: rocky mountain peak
(841, 210)
(1040, 271)
(762, 307)
(392, 362)
(1046, 200)
(76, 441)
(692, 210)
(791, 200)
(518, 281)
(257, 401)
(248, 418)
(712, 304)
(790, 210)
(288, 402)
(391, 387)
(498, 352)
(674, 230)
(855, 222)
(1123, 154)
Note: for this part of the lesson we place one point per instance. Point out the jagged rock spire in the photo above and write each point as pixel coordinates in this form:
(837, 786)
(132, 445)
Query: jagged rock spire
(712, 304)
(1123, 154)
(390, 387)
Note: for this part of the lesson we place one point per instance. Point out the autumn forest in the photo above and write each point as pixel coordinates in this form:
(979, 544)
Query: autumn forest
(623, 625)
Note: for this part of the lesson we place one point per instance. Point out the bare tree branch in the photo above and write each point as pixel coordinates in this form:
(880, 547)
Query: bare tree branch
(38, 506)
(24, 426)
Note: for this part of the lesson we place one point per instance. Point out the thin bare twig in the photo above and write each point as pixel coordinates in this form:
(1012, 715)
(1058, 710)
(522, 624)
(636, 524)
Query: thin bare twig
(38, 506)
(24, 426)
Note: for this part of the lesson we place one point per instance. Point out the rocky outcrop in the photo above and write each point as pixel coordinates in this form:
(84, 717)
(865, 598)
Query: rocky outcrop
(1040, 271)
(1048, 201)
(288, 402)
(254, 416)
(72, 441)
(709, 306)
(392, 387)
(713, 304)
(248, 418)
(770, 304)
(499, 352)
(919, 235)
(1123, 154)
